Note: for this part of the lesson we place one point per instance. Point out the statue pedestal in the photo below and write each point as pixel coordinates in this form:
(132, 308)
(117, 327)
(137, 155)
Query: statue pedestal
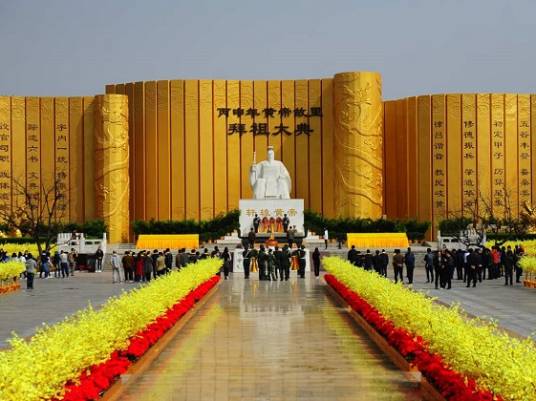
(268, 208)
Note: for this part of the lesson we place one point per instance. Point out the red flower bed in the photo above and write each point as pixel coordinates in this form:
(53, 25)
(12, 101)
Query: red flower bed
(98, 378)
(452, 385)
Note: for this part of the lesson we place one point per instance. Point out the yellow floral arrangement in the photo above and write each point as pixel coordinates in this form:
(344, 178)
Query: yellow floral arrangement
(528, 245)
(16, 248)
(473, 347)
(39, 368)
(11, 269)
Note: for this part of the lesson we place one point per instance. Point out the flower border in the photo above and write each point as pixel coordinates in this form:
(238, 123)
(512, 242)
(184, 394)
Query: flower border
(99, 378)
(452, 385)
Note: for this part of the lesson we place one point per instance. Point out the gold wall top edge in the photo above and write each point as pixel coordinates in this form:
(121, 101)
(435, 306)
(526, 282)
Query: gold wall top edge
(465, 94)
(238, 80)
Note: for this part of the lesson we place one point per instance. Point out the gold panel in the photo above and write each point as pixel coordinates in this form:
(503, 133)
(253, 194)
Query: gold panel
(5, 152)
(469, 155)
(33, 146)
(288, 155)
(233, 146)
(163, 151)
(178, 178)
(413, 148)
(524, 150)
(300, 133)
(109, 89)
(220, 147)
(483, 131)
(191, 146)
(454, 155)
(151, 152)
(511, 155)
(47, 143)
(315, 148)
(140, 154)
(89, 157)
(274, 102)
(62, 159)
(358, 118)
(129, 91)
(248, 139)
(112, 158)
(439, 158)
(328, 176)
(18, 143)
(400, 160)
(390, 164)
(424, 158)
(205, 150)
(498, 175)
(76, 159)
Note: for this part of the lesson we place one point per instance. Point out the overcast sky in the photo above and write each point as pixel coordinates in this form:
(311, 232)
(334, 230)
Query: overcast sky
(75, 47)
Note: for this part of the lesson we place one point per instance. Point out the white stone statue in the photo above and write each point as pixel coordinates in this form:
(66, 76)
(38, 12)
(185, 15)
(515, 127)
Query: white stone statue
(270, 178)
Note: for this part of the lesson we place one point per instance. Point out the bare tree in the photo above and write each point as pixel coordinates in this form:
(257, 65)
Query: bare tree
(492, 217)
(37, 212)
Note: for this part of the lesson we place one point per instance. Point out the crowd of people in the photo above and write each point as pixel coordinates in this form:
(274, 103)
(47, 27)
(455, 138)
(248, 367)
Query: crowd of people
(60, 264)
(276, 264)
(471, 265)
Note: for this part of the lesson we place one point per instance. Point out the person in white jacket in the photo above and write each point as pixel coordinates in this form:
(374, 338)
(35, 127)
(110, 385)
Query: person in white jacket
(117, 270)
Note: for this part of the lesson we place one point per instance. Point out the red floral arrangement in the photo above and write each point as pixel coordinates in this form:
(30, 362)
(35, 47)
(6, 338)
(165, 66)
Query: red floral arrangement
(452, 385)
(98, 378)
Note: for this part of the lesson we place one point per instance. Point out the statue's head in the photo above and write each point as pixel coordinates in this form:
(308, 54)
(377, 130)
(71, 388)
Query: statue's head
(271, 153)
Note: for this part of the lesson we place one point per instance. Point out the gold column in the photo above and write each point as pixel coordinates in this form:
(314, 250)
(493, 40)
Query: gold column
(315, 147)
(358, 144)
(111, 173)
(328, 174)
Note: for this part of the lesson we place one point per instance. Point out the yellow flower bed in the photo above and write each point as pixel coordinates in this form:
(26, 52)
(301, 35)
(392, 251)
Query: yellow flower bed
(528, 264)
(528, 245)
(497, 361)
(16, 248)
(38, 369)
(11, 269)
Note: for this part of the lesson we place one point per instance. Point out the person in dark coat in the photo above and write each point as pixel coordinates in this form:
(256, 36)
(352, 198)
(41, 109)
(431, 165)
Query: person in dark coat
(301, 256)
(398, 265)
(168, 260)
(385, 262)
(285, 262)
(256, 223)
(147, 266)
(351, 255)
(367, 260)
(429, 265)
(474, 260)
(377, 262)
(316, 262)
(409, 261)
(226, 256)
(262, 259)
(459, 264)
(448, 270)
(509, 263)
(286, 222)
(246, 261)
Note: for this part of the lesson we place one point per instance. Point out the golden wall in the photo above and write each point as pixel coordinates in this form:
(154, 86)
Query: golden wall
(191, 160)
(43, 139)
(112, 165)
(358, 127)
(450, 155)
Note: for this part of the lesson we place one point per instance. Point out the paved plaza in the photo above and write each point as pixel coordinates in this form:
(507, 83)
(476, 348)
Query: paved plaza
(259, 340)
(52, 299)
